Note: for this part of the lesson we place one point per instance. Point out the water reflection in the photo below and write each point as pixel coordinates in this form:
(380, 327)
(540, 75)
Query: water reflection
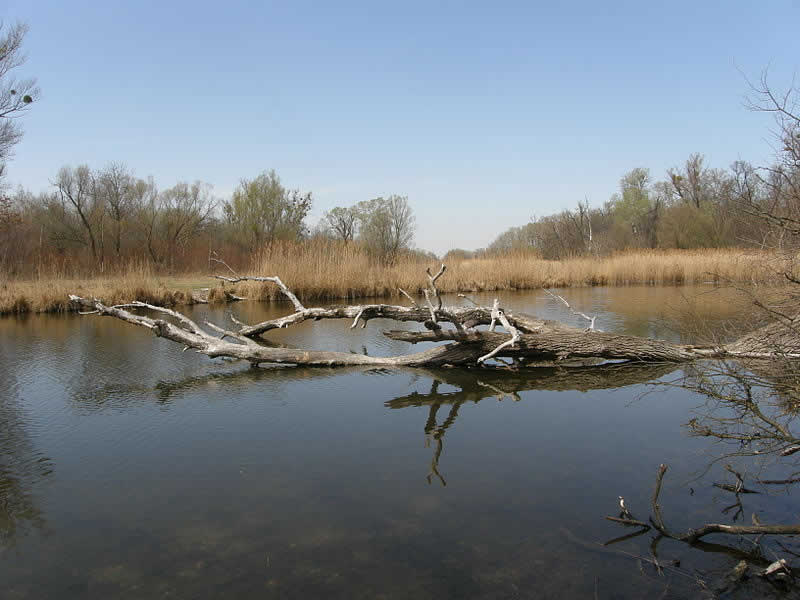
(172, 474)
(22, 467)
(445, 393)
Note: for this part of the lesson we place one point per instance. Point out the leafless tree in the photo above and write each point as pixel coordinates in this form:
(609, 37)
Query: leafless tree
(115, 184)
(146, 199)
(342, 221)
(184, 209)
(386, 226)
(16, 95)
(779, 203)
(75, 189)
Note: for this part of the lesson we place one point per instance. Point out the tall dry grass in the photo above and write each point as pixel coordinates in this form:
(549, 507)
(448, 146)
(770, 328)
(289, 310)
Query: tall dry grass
(325, 270)
(51, 294)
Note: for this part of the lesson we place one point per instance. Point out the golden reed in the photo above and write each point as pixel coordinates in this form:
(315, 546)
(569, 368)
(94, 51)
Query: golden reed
(329, 270)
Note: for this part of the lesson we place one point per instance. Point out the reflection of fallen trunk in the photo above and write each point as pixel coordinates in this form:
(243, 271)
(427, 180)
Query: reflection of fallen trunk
(475, 386)
(526, 339)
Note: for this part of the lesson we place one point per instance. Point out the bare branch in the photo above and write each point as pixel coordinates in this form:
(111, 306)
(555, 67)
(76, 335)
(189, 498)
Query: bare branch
(298, 306)
(405, 293)
(573, 311)
(498, 314)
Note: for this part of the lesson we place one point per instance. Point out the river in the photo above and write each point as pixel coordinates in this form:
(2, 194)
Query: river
(131, 469)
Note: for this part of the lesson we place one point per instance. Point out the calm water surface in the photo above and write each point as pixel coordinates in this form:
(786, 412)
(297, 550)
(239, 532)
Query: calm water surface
(130, 469)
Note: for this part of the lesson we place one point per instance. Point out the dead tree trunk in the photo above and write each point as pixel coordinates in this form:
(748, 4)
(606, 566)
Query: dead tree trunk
(527, 340)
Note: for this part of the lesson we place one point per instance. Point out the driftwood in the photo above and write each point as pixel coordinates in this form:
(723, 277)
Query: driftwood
(693, 535)
(526, 339)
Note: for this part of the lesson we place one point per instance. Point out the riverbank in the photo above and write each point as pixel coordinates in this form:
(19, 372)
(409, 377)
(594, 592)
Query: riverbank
(334, 272)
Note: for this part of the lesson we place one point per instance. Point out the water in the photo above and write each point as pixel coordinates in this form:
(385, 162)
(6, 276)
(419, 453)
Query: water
(131, 469)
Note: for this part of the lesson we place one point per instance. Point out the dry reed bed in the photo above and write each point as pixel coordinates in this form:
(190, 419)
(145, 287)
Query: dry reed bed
(326, 271)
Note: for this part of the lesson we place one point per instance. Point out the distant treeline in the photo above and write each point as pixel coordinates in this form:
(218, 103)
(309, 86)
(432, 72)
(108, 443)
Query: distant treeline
(694, 206)
(94, 222)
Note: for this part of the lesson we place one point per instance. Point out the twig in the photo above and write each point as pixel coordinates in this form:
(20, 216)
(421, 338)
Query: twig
(633, 522)
(355, 321)
(500, 393)
(298, 306)
(237, 321)
(739, 478)
(225, 333)
(573, 311)
(627, 536)
(729, 487)
(779, 481)
(657, 519)
(468, 299)
(405, 293)
(222, 262)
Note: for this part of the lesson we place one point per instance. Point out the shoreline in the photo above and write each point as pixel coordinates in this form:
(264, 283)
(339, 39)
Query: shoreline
(313, 279)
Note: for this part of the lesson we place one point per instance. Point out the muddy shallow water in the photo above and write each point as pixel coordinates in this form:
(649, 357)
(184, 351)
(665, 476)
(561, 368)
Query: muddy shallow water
(130, 469)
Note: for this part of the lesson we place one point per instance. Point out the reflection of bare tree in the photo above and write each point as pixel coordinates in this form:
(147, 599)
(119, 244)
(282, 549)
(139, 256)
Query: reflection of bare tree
(436, 432)
(776, 571)
(20, 469)
(751, 408)
(474, 386)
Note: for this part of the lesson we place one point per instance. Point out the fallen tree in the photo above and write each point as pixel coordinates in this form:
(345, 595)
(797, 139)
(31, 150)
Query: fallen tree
(526, 340)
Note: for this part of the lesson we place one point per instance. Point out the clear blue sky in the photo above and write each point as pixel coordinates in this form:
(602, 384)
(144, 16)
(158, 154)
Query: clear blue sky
(483, 114)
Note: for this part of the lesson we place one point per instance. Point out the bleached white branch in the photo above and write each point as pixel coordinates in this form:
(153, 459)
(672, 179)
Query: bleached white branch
(468, 299)
(573, 311)
(298, 306)
(357, 319)
(499, 315)
(405, 293)
(430, 305)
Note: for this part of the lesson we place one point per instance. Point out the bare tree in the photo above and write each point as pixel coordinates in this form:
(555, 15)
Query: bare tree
(386, 226)
(184, 209)
(75, 189)
(779, 204)
(342, 221)
(689, 183)
(116, 186)
(146, 199)
(16, 95)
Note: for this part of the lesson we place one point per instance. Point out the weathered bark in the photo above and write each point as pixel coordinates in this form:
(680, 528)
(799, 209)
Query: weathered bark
(526, 339)
(560, 344)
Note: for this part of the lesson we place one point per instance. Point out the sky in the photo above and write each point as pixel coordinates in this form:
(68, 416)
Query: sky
(483, 114)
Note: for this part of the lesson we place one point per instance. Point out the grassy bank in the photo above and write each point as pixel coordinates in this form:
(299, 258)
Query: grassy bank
(328, 271)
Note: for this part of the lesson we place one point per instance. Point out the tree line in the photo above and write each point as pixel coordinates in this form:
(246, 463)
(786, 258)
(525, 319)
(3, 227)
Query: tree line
(693, 206)
(95, 220)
